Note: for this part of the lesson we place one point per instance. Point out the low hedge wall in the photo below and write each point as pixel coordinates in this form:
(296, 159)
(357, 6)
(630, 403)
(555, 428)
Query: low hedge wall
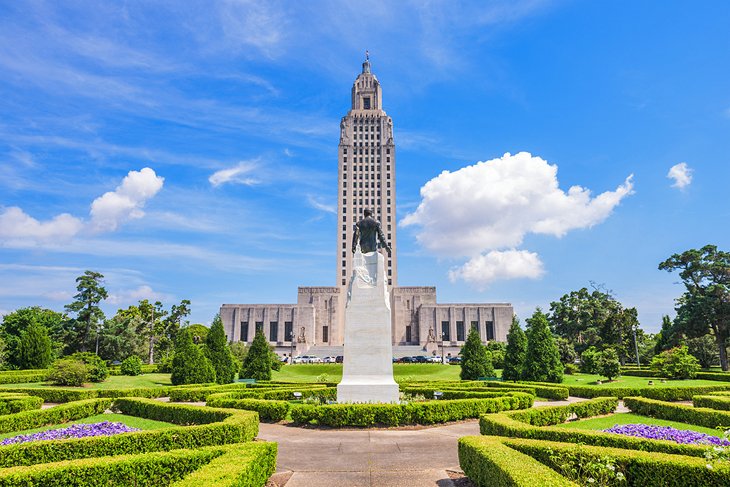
(268, 410)
(430, 412)
(205, 427)
(240, 465)
(547, 390)
(709, 418)
(11, 403)
(523, 424)
(146, 369)
(640, 373)
(23, 376)
(64, 394)
(677, 393)
(712, 402)
(489, 463)
(641, 468)
(196, 394)
(459, 393)
(718, 376)
(64, 413)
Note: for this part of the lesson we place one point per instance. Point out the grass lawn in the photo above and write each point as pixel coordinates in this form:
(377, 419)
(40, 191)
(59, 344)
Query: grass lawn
(131, 421)
(113, 382)
(631, 381)
(606, 422)
(402, 372)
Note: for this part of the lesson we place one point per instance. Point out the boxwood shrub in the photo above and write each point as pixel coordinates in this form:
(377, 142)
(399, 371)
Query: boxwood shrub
(523, 424)
(23, 376)
(677, 393)
(712, 402)
(240, 465)
(709, 418)
(268, 410)
(14, 403)
(429, 412)
(64, 413)
(642, 468)
(489, 463)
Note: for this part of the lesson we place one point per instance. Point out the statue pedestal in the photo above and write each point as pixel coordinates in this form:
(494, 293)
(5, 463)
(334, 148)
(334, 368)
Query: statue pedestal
(367, 373)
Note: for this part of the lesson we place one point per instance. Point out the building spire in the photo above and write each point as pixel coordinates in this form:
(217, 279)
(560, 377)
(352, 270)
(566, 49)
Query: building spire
(366, 64)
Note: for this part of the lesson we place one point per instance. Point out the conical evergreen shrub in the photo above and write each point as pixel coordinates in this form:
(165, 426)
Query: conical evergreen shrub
(190, 365)
(476, 361)
(514, 357)
(257, 364)
(219, 353)
(542, 363)
(35, 349)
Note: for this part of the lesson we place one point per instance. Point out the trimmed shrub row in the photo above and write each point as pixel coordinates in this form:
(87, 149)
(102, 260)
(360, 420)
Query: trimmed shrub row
(206, 427)
(196, 394)
(268, 410)
(507, 424)
(641, 468)
(235, 465)
(145, 369)
(489, 463)
(23, 376)
(678, 393)
(547, 390)
(64, 413)
(712, 402)
(460, 394)
(11, 403)
(430, 412)
(709, 418)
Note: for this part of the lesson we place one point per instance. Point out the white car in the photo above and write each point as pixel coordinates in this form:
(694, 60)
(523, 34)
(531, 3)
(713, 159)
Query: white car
(314, 360)
(436, 359)
(328, 360)
(307, 359)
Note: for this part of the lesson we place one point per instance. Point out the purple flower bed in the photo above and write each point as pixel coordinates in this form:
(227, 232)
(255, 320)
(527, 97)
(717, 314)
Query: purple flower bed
(105, 428)
(667, 433)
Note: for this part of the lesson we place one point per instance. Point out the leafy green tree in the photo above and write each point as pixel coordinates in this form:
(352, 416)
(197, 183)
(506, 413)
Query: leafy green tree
(704, 349)
(217, 350)
(476, 361)
(131, 365)
(676, 363)
(257, 364)
(542, 362)
(608, 364)
(199, 332)
(514, 357)
(497, 349)
(68, 372)
(171, 325)
(567, 351)
(189, 363)
(239, 351)
(86, 306)
(119, 337)
(97, 369)
(151, 326)
(15, 323)
(35, 350)
(589, 361)
(595, 319)
(705, 305)
(667, 337)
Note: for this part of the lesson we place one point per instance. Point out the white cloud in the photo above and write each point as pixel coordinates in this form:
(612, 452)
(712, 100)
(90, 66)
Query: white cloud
(125, 202)
(496, 265)
(107, 213)
(59, 295)
(681, 174)
(16, 224)
(239, 174)
(316, 204)
(492, 205)
(131, 296)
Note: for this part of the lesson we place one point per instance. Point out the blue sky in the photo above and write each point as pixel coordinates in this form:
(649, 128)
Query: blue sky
(234, 107)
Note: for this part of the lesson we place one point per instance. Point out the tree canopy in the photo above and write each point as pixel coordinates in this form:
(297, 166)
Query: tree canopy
(86, 306)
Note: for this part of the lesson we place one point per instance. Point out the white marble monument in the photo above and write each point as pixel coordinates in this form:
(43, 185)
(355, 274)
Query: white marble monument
(367, 374)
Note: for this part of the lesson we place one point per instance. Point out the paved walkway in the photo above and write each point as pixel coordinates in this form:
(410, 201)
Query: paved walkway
(374, 457)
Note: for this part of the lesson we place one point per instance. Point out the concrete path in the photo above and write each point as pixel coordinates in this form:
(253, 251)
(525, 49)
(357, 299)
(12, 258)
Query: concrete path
(374, 457)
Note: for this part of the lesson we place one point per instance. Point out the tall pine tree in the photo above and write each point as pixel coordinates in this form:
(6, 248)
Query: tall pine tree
(257, 364)
(476, 361)
(514, 357)
(542, 363)
(219, 353)
(190, 365)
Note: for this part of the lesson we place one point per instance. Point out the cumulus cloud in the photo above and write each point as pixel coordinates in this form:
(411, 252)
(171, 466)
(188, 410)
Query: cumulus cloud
(492, 205)
(318, 205)
(125, 202)
(135, 295)
(681, 174)
(238, 174)
(499, 265)
(107, 212)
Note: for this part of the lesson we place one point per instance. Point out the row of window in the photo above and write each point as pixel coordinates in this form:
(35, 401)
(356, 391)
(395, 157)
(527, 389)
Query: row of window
(361, 126)
(273, 330)
(367, 176)
(460, 331)
(344, 150)
(356, 184)
(367, 193)
(364, 168)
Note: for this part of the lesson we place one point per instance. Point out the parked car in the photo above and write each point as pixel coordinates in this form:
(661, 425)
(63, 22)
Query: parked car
(307, 359)
(421, 359)
(455, 361)
(436, 359)
(298, 360)
(407, 360)
(339, 359)
(328, 360)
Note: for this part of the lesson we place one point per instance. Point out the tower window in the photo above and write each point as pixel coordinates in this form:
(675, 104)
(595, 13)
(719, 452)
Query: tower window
(366, 103)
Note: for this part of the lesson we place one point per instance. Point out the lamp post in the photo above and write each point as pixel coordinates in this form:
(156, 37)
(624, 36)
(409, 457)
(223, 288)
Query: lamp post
(443, 336)
(291, 347)
(636, 347)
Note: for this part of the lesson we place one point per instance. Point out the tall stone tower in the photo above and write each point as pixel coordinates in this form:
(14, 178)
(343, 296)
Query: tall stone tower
(366, 174)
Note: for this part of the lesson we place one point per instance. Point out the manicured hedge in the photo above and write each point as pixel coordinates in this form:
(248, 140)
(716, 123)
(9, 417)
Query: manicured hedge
(429, 412)
(489, 463)
(267, 391)
(206, 427)
(712, 402)
(60, 414)
(721, 376)
(640, 373)
(23, 376)
(709, 418)
(547, 390)
(645, 469)
(458, 393)
(62, 394)
(268, 410)
(146, 369)
(677, 393)
(518, 424)
(240, 464)
(11, 403)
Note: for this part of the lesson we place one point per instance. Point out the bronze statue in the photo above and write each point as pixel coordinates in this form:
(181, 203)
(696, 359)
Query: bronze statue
(368, 233)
